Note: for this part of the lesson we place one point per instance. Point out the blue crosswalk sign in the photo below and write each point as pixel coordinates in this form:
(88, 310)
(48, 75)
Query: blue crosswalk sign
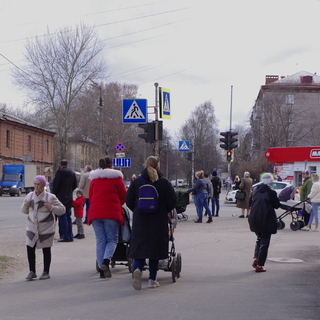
(134, 110)
(184, 145)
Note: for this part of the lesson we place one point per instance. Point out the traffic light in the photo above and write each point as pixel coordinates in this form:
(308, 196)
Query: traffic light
(229, 154)
(148, 128)
(231, 140)
(160, 127)
(225, 139)
(189, 156)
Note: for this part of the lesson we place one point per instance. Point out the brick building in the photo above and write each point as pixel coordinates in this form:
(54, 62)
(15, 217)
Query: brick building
(19, 139)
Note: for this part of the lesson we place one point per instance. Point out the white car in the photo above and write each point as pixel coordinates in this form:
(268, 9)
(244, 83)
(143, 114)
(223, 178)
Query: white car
(277, 187)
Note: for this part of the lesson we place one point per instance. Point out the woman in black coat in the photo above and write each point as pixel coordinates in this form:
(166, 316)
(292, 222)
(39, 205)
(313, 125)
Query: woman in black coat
(263, 219)
(150, 232)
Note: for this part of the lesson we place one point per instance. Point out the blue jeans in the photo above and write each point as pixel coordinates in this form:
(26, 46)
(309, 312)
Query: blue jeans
(66, 225)
(202, 201)
(87, 203)
(215, 203)
(106, 231)
(314, 214)
(153, 267)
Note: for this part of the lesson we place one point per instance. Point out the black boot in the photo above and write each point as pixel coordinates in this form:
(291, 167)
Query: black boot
(105, 268)
(198, 220)
(209, 220)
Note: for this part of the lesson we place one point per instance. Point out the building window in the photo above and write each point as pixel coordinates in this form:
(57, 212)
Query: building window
(8, 139)
(47, 147)
(29, 143)
(290, 99)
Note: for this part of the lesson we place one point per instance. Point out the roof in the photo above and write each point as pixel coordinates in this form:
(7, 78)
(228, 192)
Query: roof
(5, 116)
(298, 79)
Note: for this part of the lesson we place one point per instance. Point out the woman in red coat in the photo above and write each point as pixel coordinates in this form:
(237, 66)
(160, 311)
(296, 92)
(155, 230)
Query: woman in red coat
(106, 195)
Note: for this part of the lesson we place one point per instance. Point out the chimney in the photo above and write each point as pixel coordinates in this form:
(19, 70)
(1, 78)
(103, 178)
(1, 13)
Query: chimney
(270, 79)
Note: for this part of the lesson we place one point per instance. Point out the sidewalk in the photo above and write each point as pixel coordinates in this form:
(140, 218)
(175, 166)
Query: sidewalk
(217, 280)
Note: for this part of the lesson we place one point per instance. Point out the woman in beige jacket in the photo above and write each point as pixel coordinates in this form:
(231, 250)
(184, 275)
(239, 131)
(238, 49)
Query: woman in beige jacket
(40, 207)
(314, 196)
(246, 186)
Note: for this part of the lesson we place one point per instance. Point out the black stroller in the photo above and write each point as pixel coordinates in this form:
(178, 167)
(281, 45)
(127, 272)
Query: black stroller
(293, 209)
(183, 201)
(120, 256)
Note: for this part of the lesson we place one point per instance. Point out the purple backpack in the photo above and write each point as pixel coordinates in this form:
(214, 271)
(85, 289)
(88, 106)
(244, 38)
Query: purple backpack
(148, 197)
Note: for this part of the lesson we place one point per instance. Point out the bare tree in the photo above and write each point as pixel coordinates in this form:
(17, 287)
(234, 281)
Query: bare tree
(58, 66)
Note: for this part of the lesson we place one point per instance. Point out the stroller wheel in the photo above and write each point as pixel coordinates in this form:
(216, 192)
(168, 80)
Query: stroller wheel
(130, 265)
(294, 225)
(185, 218)
(179, 265)
(174, 270)
(280, 225)
(301, 223)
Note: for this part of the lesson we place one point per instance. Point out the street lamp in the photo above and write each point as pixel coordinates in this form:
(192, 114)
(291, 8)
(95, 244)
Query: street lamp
(100, 116)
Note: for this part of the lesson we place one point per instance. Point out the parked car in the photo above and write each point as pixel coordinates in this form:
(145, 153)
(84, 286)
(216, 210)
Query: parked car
(277, 187)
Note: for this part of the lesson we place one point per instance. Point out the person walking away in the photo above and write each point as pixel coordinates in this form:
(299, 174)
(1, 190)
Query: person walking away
(216, 184)
(305, 190)
(263, 219)
(78, 213)
(201, 199)
(246, 186)
(40, 206)
(208, 183)
(84, 184)
(107, 196)
(150, 232)
(65, 182)
(314, 196)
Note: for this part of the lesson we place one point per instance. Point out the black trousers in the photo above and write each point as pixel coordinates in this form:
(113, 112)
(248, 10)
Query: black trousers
(261, 248)
(32, 258)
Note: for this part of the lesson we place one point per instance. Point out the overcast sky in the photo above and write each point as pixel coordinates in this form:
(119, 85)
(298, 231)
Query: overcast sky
(197, 49)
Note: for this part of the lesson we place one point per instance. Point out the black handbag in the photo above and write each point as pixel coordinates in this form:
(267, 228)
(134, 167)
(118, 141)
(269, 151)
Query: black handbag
(240, 195)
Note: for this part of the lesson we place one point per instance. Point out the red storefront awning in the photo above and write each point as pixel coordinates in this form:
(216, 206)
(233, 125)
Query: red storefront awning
(293, 154)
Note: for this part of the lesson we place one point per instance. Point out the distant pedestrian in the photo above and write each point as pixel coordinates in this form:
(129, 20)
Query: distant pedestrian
(314, 196)
(133, 177)
(216, 184)
(246, 186)
(65, 182)
(208, 183)
(237, 182)
(78, 213)
(40, 206)
(304, 191)
(84, 184)
(263, 219)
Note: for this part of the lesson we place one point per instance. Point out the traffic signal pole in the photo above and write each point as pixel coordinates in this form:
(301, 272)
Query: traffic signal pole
(156, 126)
(229, 162)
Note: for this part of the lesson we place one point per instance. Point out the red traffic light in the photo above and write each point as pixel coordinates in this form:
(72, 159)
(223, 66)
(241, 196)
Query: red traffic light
(229, 154)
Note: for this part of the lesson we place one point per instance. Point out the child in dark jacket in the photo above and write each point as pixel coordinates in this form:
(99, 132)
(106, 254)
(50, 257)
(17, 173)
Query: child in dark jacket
(78, 213)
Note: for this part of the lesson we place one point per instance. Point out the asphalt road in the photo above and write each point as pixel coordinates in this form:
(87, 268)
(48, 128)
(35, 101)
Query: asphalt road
(217, 280)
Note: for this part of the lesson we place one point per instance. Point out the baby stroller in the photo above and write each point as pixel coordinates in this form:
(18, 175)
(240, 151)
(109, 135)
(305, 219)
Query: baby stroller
(183, 201)
(293, 208)
(173, 263)
(120, 256)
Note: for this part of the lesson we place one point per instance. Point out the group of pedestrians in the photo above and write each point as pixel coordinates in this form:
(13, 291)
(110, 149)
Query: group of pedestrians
(107, 194)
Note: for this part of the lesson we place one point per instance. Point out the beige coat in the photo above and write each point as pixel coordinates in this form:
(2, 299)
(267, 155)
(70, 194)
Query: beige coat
(41, 221)
(246, 186)
(314, 194)
(84, 184)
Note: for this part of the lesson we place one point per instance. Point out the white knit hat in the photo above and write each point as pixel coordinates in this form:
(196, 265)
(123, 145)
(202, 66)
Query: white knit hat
(267, 178)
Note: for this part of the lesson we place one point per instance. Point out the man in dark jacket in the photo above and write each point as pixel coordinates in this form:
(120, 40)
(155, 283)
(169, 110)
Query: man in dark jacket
(216, 184)
(263, 219)
(64, 183)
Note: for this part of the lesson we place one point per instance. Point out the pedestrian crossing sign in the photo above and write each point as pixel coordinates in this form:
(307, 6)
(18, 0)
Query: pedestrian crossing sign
(184, 145)
(165, 103)
(134, 111)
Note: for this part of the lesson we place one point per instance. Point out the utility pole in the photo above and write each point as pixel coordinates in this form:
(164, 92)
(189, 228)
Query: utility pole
(229, 163)
(100, 117)
(156, 125)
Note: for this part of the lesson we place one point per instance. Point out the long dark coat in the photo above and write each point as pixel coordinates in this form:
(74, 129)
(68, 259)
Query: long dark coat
(246, 186)
(262, 218)
(150, 232)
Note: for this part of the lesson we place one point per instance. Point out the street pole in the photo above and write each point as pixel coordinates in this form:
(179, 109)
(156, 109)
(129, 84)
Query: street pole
(100, 117)
(229, 164)
(156, 127)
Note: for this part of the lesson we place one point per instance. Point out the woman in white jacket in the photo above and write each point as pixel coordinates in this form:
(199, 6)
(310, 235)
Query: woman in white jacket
(40, 207)
(314, 196)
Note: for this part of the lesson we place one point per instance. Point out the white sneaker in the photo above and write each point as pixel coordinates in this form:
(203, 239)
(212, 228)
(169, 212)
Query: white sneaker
(306, 228)
(315, 230)
(153, 283)
(136, 283)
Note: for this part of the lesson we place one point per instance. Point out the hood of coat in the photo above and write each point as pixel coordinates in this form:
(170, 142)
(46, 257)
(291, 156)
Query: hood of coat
(206, 180)
(65, 171)
(145, 174)
(105, 173)
(262, 188)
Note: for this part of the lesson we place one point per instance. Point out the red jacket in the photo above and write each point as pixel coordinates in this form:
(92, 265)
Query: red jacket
(78, 207)
(107, 194)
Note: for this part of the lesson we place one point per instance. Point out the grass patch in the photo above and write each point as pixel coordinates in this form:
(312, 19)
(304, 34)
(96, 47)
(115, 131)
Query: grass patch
(4, 260)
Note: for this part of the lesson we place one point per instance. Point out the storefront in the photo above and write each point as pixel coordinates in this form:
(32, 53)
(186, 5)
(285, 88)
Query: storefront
(290, 162)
